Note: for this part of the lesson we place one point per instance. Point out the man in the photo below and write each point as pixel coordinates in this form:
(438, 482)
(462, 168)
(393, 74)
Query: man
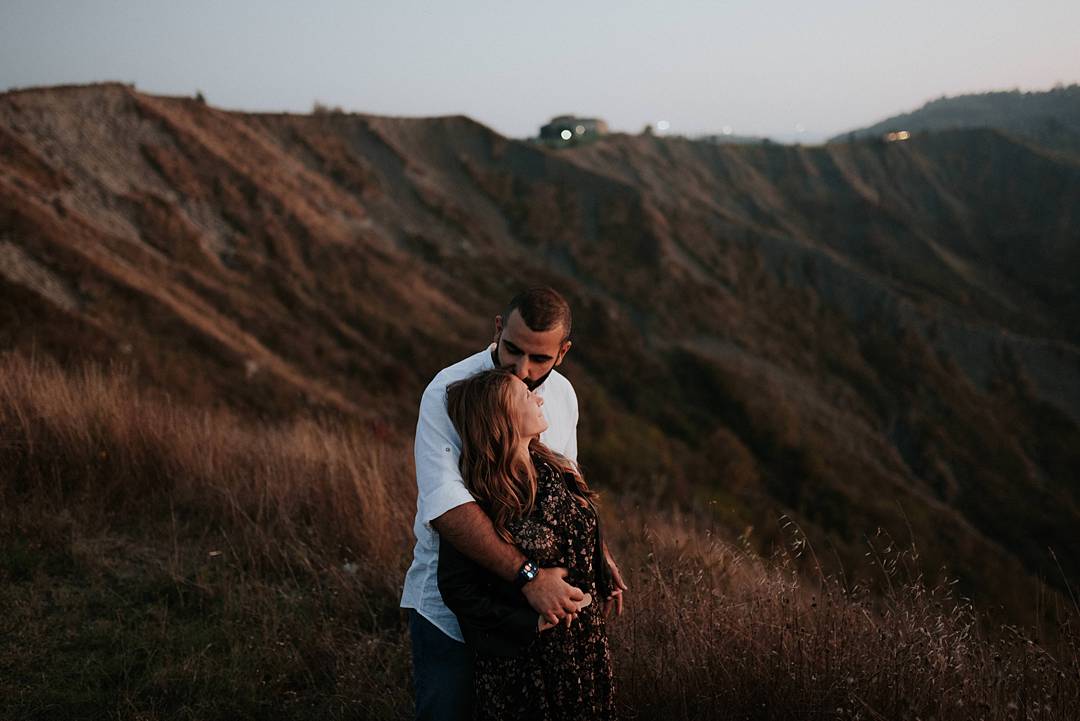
(531, 339)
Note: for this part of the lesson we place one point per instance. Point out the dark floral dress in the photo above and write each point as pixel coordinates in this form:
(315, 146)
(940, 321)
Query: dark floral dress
(564, 673)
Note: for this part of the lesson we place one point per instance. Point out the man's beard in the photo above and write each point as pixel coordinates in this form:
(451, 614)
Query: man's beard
(531, 385)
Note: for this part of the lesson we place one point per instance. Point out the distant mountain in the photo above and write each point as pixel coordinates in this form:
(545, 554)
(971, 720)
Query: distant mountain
(857, 335)
(1051, 118)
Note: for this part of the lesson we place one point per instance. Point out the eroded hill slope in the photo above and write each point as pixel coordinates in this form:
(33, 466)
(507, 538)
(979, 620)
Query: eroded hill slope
(856, 335)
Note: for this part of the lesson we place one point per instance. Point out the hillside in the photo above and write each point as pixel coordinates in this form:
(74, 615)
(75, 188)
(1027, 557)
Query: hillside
(1050, 119)
(857, 335)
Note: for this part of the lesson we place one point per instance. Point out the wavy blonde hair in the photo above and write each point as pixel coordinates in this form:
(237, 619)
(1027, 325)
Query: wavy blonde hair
(480, 409)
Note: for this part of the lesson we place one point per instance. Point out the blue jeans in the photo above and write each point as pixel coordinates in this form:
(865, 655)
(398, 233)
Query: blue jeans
(442, 673)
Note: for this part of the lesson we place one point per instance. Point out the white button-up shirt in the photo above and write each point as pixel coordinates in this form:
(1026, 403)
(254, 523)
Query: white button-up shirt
(437, 450)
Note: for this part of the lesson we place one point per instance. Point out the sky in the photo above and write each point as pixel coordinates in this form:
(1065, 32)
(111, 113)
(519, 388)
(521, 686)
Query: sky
(778, 68)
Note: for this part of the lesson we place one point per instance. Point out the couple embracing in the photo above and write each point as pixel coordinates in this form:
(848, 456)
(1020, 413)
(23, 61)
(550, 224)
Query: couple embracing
(511, 582)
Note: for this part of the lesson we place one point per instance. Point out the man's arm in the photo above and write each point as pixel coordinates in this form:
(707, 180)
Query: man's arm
(471, 532)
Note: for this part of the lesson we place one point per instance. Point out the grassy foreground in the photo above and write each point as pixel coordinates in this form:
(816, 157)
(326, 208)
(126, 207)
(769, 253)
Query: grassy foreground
(159, 561)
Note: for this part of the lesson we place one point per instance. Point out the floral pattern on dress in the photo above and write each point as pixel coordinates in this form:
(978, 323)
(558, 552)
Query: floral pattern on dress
(565, 673)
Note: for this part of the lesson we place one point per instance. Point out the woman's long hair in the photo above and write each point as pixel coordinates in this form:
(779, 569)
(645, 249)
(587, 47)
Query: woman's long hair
(505, 484)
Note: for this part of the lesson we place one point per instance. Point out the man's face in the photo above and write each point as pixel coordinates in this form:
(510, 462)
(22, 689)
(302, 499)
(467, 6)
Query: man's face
(527, 353)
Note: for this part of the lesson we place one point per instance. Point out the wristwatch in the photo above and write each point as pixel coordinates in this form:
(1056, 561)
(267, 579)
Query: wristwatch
(527, 572)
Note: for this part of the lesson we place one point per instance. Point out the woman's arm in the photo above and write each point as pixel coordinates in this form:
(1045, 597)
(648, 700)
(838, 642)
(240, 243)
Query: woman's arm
(466, 589)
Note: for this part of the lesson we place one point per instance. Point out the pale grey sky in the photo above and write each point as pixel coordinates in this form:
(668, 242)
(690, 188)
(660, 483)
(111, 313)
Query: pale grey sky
(762, 68)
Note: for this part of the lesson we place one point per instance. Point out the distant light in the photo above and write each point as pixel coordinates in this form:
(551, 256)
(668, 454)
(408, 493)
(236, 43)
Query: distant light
(663, 125)
(903, 135)
(898, 135)
(727, 130)
(579, 129)
(566, 135)
(800, 128)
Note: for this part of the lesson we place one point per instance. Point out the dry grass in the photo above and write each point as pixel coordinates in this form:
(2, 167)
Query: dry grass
(719, 632)
(161, 561)
(286, 495)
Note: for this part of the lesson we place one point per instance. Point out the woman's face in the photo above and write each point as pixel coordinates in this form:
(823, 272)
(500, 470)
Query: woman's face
(525, 411)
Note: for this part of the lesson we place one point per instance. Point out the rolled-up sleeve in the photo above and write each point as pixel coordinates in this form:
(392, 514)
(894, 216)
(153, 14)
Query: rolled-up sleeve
(437, 450)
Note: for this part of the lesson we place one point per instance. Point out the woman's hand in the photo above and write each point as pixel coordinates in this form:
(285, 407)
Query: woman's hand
(542, 624)
(615, 600)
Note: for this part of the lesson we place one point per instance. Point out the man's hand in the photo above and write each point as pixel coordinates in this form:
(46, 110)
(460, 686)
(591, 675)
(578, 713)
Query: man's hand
(615, 600)
(542, 624)
(551, 596)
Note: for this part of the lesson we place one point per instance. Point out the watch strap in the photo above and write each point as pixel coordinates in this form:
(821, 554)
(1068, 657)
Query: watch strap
(527, 572)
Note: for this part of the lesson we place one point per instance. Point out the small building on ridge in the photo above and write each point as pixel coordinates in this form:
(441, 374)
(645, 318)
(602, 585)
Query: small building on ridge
(570, 128)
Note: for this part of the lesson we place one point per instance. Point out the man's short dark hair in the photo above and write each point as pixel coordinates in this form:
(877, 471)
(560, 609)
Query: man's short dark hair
(542, 308)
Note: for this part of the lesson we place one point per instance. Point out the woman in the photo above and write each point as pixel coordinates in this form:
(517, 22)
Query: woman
(537, 500)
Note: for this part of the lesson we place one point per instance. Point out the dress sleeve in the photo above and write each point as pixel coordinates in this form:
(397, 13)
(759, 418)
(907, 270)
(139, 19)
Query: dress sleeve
(605, 582)
(467, 591)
